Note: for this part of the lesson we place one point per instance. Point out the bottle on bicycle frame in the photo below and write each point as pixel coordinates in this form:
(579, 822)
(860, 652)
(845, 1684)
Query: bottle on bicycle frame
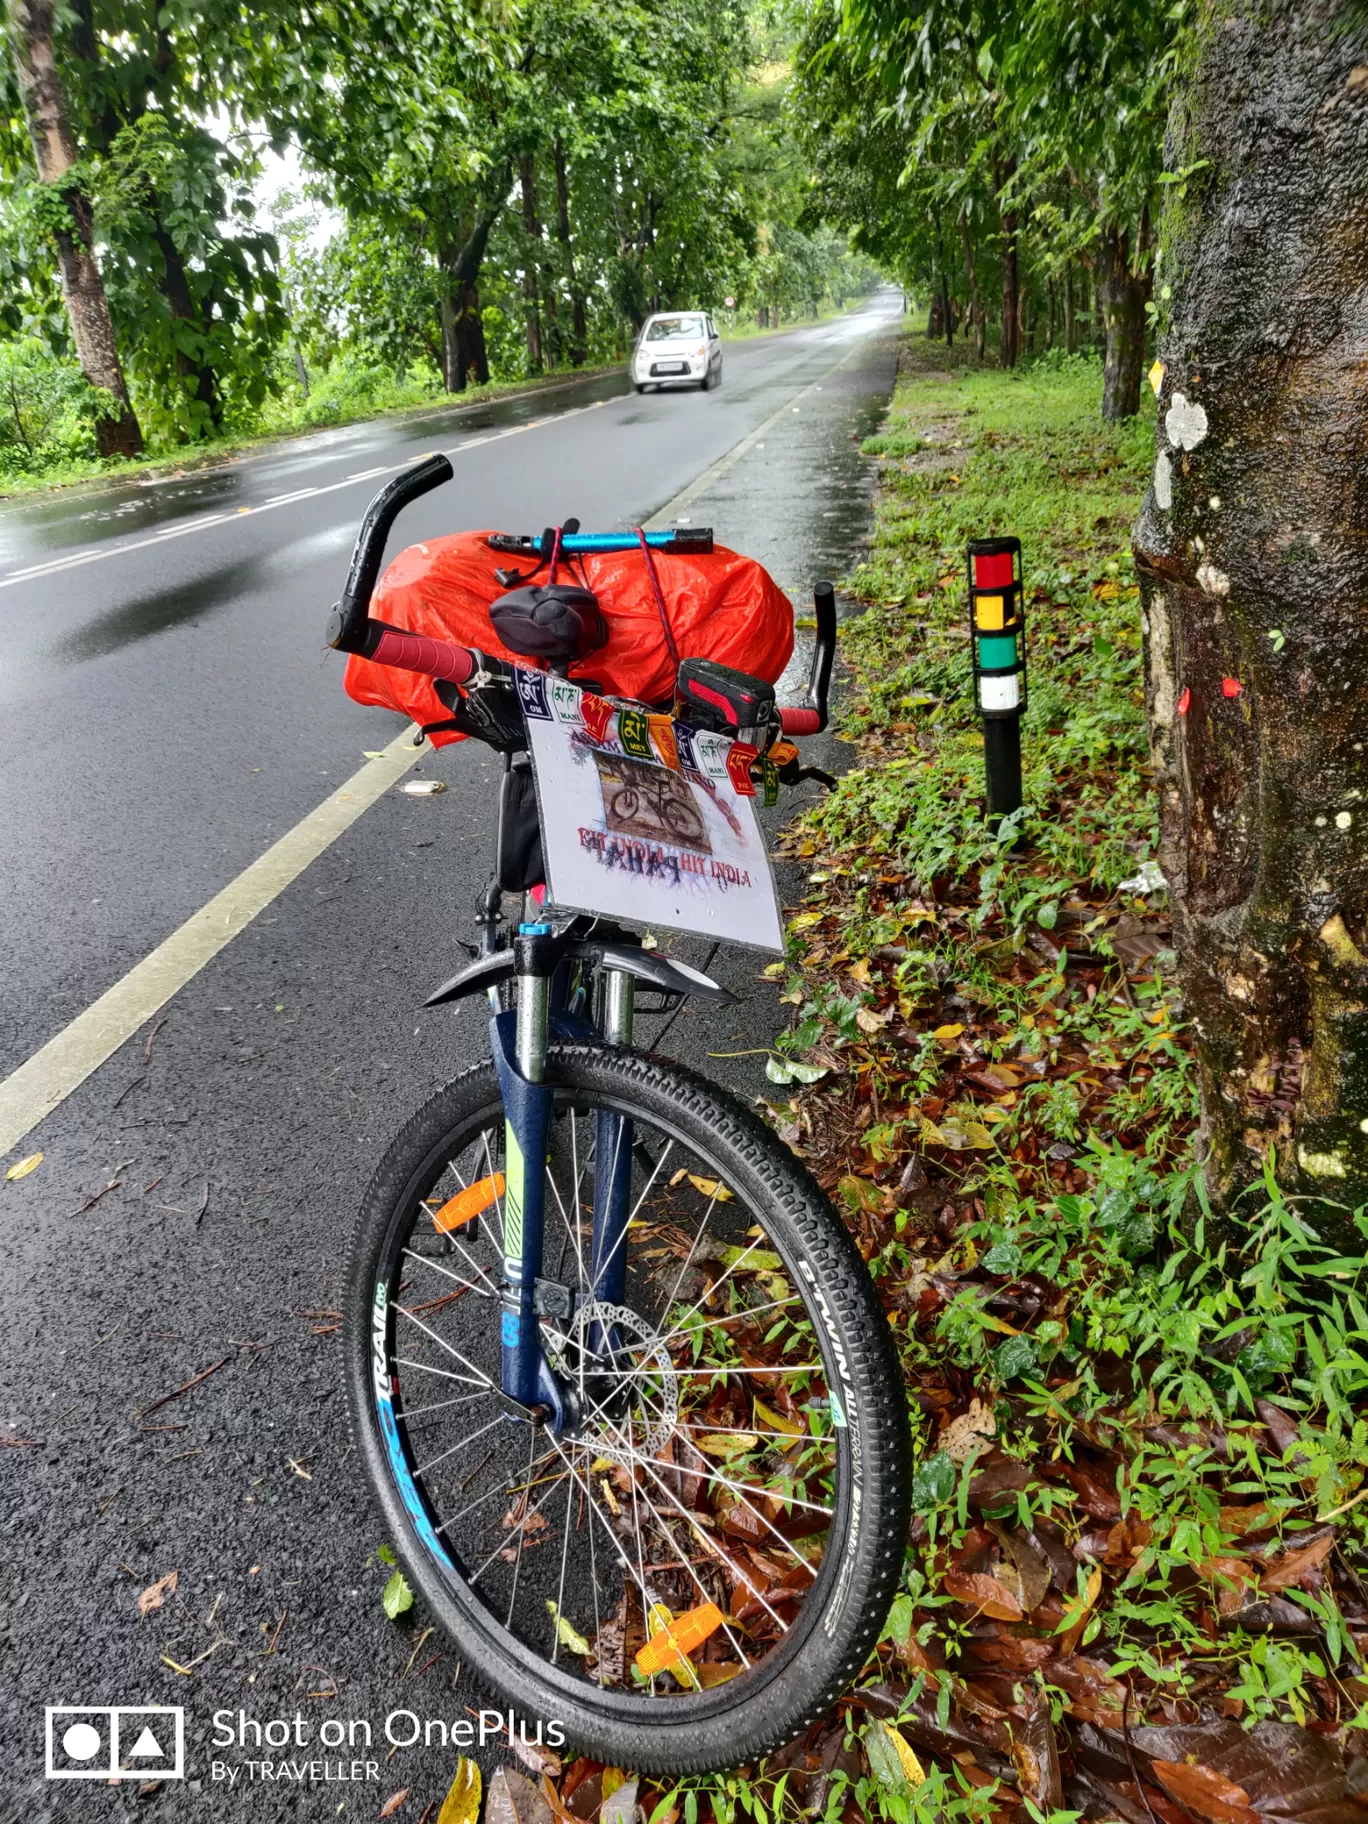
(620, 1382)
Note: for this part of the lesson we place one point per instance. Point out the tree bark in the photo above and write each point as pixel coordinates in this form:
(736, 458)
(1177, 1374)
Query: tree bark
(532, 229)
(947, 315)
(1003, 173)
(463, 341)
(975, 298)
(1070, 312)
(1252, 549)
(1125, 293)
(578, 329)
(54, 152)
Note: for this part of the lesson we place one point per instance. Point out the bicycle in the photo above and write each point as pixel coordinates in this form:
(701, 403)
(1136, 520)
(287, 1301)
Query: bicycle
(677, 819)
(620, 1382)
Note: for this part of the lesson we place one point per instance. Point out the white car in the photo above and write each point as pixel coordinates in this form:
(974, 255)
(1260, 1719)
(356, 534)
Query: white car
(678, 345)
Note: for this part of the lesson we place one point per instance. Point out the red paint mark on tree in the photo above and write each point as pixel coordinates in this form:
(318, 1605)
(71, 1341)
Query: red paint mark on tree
(1231, 687)
(1185, 702)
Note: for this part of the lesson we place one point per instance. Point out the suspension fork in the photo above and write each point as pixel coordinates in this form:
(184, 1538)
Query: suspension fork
(613, 1142)
(519, 1041)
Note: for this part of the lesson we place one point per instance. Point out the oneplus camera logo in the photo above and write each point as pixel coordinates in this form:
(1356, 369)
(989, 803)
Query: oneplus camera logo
(105, 1742)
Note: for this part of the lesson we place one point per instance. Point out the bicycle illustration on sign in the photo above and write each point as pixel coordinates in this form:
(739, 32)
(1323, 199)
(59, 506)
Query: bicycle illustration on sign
(648, 801)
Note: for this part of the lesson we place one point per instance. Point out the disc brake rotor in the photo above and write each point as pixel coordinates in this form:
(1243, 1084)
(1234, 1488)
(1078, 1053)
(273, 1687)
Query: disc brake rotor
(639, 1416)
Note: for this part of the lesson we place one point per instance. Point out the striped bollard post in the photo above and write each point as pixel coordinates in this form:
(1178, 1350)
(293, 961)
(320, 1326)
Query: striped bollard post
(997, 639)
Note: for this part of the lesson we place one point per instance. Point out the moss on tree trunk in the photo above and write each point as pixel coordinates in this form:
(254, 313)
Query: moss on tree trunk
(1253, 555)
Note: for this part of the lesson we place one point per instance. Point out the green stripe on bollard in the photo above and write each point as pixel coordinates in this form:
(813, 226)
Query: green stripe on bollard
(1001, 650)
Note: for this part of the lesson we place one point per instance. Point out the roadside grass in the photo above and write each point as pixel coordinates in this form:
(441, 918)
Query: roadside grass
(1136, 1584)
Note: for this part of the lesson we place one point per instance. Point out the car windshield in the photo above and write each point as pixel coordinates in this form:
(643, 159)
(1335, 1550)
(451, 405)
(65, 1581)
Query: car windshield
(669, 329)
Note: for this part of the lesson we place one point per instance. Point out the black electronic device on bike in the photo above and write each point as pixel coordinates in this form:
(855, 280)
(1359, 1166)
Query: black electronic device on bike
(620, 1383)
(726, 701)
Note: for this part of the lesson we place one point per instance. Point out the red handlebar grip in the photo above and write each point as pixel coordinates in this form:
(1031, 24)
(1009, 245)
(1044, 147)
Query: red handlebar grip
(795, 721)
(416, 652)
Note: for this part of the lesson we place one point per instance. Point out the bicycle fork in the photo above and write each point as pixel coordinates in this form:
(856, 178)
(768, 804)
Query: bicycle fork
(519, 1041)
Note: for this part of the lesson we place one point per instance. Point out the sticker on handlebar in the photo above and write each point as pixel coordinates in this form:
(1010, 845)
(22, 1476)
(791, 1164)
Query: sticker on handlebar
(663, 737)
(634, 732)
(771, 777)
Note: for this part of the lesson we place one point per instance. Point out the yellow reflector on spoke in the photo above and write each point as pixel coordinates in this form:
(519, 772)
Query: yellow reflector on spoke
(988, 612)
(669, 1645)
(466, 1205)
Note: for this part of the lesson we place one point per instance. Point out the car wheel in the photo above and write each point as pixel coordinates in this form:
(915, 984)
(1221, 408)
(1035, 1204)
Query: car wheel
(640, 386)
(706, 383)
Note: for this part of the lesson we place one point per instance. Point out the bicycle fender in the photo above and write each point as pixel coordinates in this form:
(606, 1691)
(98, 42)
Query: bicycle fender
(646, 966)
(484, 973)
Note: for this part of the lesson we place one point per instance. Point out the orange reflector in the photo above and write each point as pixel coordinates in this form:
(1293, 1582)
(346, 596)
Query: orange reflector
(466, 1205)
(988, 612)
(685, 1634)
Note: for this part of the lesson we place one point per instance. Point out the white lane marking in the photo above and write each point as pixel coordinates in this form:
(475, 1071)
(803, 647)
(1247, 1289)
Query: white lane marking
(77, 559)
(47, 1078)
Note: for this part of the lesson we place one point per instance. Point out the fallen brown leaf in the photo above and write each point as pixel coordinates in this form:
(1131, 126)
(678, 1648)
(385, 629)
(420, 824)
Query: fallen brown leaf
(156, 1593)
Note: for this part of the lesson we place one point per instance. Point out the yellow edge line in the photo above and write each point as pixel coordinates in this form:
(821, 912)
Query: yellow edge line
(47, 1078)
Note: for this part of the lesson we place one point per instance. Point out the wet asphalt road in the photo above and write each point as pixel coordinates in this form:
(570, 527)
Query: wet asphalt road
(165, 717)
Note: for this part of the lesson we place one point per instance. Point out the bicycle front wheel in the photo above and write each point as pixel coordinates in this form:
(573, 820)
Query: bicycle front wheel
(692, 1571)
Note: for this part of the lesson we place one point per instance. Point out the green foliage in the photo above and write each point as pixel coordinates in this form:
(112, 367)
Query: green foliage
(48, 412)
(518, 187)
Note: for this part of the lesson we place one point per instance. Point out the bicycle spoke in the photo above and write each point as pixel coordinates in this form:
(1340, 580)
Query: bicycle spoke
(460, 1445)
(437, 1267)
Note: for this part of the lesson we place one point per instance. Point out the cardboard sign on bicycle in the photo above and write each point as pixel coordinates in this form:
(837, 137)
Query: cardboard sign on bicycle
(642, 818)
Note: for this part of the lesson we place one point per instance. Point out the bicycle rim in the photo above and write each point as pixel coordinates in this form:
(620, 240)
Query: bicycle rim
(669, 1553)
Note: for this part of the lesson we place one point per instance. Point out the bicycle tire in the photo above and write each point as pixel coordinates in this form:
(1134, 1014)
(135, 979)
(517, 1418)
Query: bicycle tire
(731, 1723)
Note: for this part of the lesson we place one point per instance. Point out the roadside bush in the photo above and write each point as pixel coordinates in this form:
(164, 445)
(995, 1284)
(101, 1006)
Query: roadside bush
(48, 410)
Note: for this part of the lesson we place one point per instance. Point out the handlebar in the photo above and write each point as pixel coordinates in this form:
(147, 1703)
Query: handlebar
(348, 627)
(811, 718)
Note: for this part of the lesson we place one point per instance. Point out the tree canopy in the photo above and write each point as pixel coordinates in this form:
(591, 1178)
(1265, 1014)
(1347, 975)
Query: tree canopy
(510, 188)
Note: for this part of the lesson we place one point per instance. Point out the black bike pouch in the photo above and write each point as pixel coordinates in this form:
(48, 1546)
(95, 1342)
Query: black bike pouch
(558, 622)
(519, 862)
(727, 702)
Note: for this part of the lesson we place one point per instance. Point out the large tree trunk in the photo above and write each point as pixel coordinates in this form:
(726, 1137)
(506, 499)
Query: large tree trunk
(1125, 293)
(1253, 556)
(579, 332)
(1007, 234)
(531, 260)
(54, 152)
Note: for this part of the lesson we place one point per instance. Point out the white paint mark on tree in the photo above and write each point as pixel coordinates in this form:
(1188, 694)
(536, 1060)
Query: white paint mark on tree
(1185, 422)
(1343, 820)
(1212, 580)
(1321, 1165)
(1163, 481)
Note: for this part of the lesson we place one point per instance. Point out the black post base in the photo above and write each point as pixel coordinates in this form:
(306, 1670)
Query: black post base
(1002, 764)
